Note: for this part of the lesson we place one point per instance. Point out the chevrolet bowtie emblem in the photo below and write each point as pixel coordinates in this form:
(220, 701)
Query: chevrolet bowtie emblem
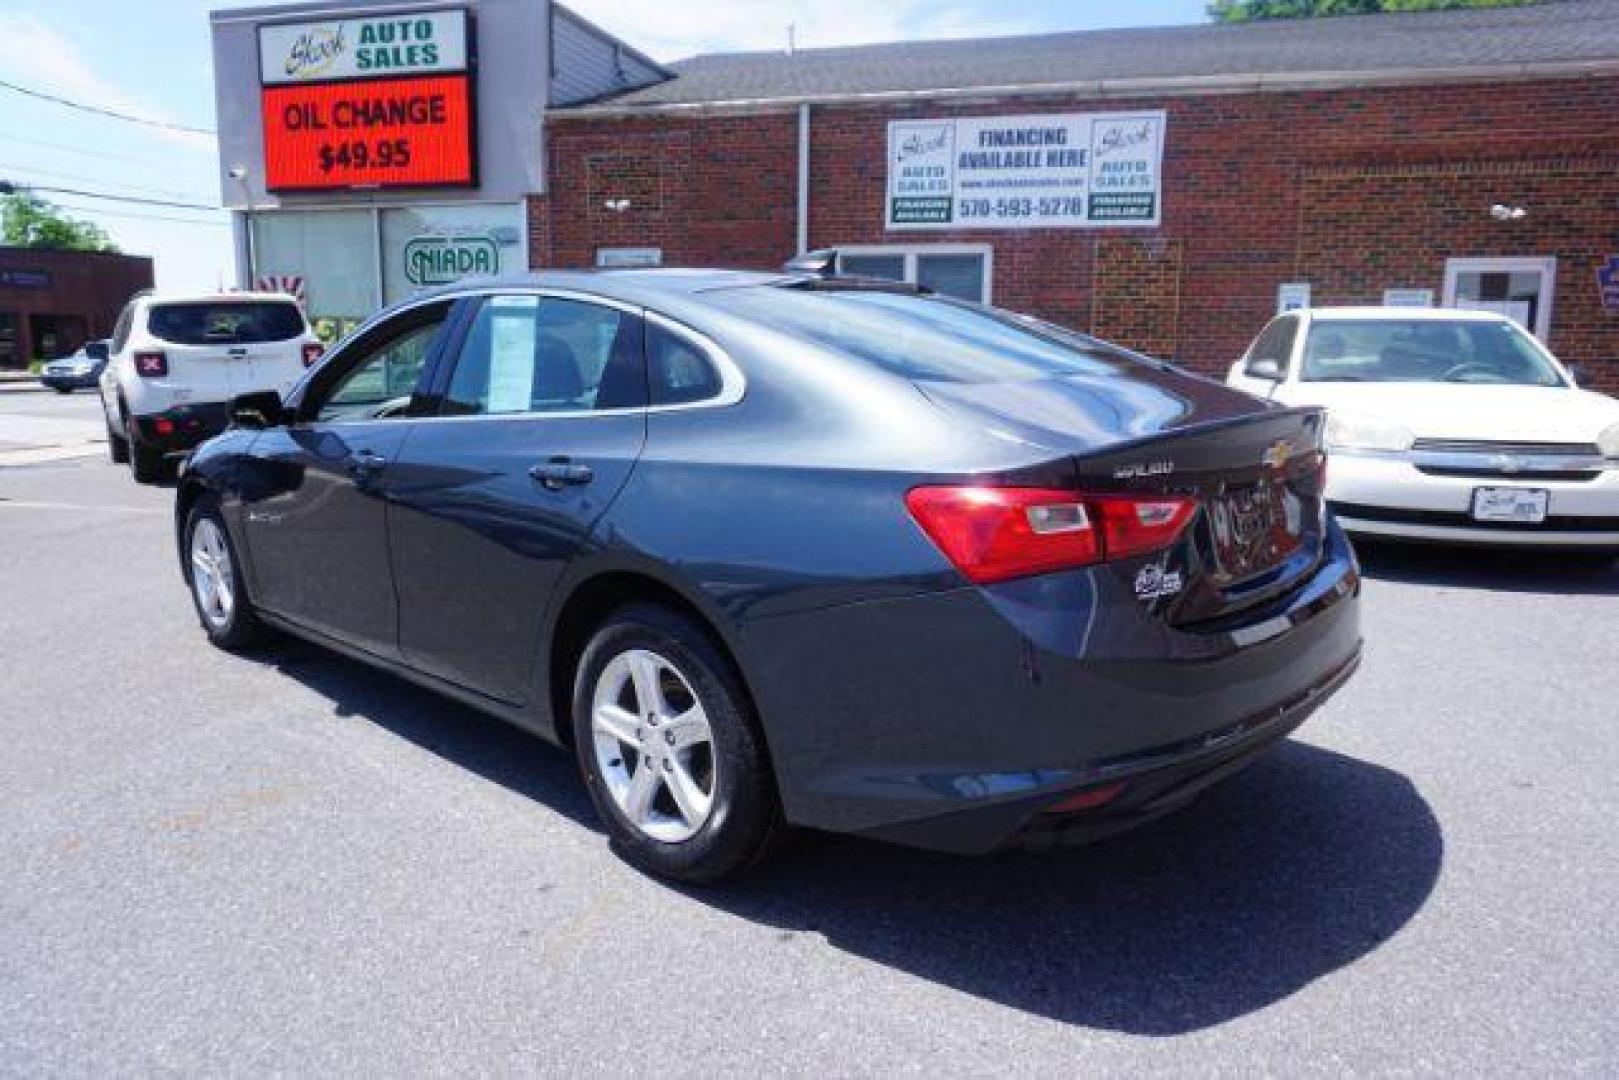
(1276, 455)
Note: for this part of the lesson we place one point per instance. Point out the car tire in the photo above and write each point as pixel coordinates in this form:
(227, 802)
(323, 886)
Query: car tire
(63, 389)
(680, 774)
(211, 563)
(148, 466)
(117, 446)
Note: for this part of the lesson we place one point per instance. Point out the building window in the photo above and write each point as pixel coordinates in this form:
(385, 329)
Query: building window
(1520, 289)
(959, 270)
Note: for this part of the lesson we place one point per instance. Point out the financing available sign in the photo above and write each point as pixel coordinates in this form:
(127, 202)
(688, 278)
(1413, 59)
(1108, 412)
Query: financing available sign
(1071, 170)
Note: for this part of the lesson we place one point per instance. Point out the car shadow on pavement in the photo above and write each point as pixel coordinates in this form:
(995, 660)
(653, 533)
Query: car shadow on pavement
(1500, 570)
(1294, 868)
(1299, 865)
(497, 751)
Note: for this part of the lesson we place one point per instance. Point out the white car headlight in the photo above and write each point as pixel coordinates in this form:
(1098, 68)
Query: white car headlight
(1357, 431)
(1608, 441)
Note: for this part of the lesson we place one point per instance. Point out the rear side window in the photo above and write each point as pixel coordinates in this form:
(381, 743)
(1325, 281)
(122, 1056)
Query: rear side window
(925, 337)
(1276, 342)
(531, 354)
(229, 322)
(679, 369)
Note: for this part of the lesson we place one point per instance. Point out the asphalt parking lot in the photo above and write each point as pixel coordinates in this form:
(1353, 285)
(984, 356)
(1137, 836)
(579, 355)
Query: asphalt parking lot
(289, 863)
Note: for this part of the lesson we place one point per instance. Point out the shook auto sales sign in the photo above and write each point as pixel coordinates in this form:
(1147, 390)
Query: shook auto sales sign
(1073, 170)
(375, 102)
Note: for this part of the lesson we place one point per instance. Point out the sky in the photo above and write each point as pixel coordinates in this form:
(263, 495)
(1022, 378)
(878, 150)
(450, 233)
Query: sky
(151, 58)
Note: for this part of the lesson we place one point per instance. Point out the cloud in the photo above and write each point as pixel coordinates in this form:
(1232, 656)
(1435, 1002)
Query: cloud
(34, 55)
(669, 31)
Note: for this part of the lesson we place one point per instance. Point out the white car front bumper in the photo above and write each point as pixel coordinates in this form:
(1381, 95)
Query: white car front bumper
(1422, 496)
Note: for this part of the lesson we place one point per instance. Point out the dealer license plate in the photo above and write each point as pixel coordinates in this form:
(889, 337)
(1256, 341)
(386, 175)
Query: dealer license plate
(1524, 505)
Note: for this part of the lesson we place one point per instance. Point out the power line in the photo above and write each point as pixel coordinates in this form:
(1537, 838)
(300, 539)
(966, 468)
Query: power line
(99, 111)
(56, 174)
(99, 155)
(81, 193)
(101, 211)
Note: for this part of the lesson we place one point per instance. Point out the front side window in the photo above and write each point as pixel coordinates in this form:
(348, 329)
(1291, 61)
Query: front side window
(1275, 342)
(380, 384)
(526, 353)
(225, 322)
(1425, 350)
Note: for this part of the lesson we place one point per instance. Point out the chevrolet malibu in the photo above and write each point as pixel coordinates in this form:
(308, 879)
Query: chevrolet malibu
(765, 550)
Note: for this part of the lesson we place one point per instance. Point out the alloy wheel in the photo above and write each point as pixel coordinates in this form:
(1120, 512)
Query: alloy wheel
(212, 577)
(654, 745)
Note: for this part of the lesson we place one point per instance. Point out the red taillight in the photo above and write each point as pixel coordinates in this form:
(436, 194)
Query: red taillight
(163, 427)
(151, 365)
(994, 534)
(1089, 799)
(312, 352)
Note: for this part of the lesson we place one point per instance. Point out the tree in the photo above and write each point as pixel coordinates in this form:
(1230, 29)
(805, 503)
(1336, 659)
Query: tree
(29, 221)
(1255, 10)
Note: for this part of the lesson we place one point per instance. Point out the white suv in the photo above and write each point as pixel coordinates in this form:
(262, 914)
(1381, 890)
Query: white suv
(177, 361)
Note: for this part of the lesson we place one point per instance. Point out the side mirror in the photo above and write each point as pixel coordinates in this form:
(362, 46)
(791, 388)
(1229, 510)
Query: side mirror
(1268, 370)
(1581, 375)
(262, 409)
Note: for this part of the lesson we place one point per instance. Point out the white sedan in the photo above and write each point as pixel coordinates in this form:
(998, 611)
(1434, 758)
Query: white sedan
(1446, 425)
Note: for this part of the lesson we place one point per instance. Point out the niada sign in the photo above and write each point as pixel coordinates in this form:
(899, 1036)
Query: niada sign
(1071, 170)
(439, 260)
(412, 43)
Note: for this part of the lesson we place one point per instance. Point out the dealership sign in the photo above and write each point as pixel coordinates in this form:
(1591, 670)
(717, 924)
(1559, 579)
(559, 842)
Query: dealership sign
(1072, 170)
(414, 44)
(367, 103)
(439, 260)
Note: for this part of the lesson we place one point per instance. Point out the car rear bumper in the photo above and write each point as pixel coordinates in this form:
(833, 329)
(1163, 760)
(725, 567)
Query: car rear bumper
(1387, 495)
(68, 382)
(957, 720)
(176, 430)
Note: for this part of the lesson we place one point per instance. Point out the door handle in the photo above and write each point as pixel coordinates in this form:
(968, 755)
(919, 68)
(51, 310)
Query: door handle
(363, 464)
(561, 472)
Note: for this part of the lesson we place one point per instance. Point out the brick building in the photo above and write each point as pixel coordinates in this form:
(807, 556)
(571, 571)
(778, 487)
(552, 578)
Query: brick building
(51, 302)
(1468, 158)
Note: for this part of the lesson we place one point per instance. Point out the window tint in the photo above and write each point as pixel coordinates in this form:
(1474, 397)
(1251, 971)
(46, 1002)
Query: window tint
(1425, 350)
(680, 370)
(922, 337)
(386, 378)
(1276, 342)
(120, 331)
(230, 322)
(526, 353)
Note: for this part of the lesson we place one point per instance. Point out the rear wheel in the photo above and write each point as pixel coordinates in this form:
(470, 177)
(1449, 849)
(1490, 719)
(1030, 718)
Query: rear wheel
(117, 446)
(669, 748)
(216, 581)
(148, 466)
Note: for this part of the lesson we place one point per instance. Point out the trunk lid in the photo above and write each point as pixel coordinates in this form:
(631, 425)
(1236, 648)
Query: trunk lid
(1259, 482)
(1256, 471)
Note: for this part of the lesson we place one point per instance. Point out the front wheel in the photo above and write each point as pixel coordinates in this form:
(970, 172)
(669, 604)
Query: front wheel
(670, 750)
(216, 581)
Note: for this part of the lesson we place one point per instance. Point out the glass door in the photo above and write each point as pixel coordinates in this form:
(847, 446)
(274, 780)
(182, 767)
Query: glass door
(1519, 288)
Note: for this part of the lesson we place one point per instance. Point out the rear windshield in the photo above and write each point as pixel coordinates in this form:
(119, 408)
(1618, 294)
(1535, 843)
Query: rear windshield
(1425, 350)
(926, 338)
(229, 322)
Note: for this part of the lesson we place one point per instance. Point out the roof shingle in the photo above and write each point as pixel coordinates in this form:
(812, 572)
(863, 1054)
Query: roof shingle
(1558, 33)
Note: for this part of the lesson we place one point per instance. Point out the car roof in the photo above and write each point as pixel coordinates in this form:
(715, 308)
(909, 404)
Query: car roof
(630, 285)
(212, 297)
(1403, 314)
